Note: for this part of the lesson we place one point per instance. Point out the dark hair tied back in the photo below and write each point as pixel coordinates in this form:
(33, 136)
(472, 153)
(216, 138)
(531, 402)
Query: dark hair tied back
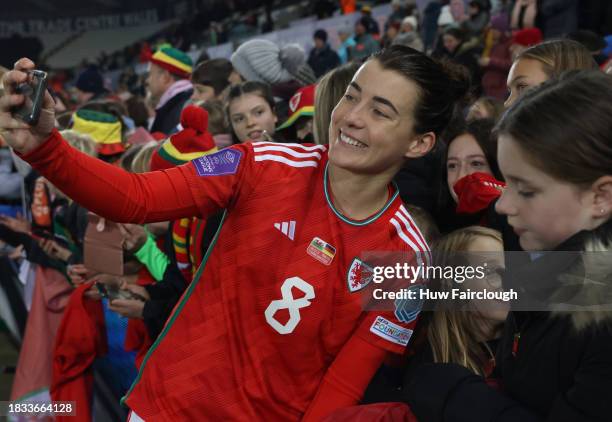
(443, 86)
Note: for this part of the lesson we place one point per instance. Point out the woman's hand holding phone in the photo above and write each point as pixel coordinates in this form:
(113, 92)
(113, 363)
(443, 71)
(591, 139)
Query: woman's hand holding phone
(18, 134)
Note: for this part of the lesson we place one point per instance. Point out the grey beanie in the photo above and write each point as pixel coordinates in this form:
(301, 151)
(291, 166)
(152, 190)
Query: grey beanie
(262, 60)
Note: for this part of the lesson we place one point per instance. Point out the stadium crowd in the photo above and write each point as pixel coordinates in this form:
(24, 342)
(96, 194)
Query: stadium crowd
(194, 239)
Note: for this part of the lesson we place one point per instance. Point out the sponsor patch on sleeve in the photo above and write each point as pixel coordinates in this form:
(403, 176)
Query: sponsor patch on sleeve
(390, 331)
(220, 163)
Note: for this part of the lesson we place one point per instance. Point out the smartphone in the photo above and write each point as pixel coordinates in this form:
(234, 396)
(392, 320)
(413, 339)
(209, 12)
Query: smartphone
(34, 92)
(113, 292)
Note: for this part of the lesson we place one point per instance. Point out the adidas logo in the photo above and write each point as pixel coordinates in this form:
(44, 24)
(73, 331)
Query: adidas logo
(287, 228)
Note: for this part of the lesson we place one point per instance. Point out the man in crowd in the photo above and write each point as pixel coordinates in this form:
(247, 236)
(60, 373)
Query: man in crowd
(322, 58)
(169, 86)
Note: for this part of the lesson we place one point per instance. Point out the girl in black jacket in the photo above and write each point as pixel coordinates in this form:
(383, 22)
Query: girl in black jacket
(555, 357)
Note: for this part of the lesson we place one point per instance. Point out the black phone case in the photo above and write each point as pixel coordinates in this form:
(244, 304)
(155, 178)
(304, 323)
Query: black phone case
(31, 115)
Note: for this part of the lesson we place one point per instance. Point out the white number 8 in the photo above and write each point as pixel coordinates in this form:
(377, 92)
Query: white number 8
(289, 303)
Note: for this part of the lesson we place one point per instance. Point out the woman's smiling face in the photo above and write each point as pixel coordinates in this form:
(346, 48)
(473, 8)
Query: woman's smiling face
(372, 126)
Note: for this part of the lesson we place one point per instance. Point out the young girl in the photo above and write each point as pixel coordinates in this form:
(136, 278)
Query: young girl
(544, 61)
(472, 150)
(461, 331)
(251, 112)
(464, 332)
(469, 176)
(272, 327)
(555, 360)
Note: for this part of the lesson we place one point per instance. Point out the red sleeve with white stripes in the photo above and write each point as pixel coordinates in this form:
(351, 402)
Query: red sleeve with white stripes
(198, 188)
(293, 155)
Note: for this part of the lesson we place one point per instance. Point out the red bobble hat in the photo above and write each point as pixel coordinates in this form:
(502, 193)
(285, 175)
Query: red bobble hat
(190, 143)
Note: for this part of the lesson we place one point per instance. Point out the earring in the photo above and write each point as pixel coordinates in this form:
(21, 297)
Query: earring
(601, 211)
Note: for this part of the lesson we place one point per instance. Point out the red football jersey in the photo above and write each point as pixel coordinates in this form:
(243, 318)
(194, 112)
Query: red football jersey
(279, 292)
(271, 307)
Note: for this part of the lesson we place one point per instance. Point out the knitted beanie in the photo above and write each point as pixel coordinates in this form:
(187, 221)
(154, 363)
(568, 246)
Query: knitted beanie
(190, 143)
(263, 61)
(174, 61)
(104, 128)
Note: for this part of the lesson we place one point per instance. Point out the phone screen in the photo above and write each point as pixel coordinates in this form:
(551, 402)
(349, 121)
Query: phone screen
(112, 292)
(102, 289)
(34, 91)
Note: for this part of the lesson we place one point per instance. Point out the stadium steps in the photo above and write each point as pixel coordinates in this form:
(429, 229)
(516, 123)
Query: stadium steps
(91, 44)
(53, 47)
